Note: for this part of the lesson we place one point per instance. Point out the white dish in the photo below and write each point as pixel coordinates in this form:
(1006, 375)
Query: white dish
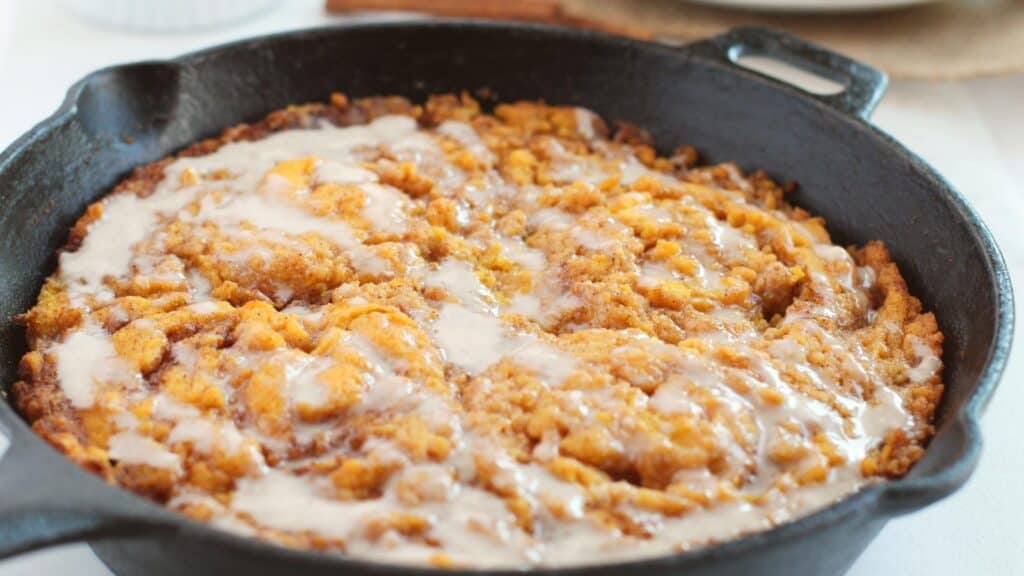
(165, 15)
(813, 5)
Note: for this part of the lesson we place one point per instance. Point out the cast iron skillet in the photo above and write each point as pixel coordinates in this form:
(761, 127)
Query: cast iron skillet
(864, 183)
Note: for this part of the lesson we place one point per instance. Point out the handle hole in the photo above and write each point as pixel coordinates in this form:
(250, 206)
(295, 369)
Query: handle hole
(785, 72)
(5, 439)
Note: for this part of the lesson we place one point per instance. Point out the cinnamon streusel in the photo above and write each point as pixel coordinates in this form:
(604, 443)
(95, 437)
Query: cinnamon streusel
(433, 335)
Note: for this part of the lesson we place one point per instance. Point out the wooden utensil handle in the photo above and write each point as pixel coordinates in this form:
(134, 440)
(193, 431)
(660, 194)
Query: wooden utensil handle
(533, 10)
(545, 11)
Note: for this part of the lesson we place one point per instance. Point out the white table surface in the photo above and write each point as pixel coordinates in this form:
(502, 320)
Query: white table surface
(973, 132)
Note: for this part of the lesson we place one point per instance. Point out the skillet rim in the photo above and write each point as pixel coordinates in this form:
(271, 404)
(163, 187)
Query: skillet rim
(876, 501)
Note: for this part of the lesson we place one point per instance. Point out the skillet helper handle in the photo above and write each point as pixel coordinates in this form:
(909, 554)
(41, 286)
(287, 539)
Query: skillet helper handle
(863, 85)
(45, 500)
(937, 475)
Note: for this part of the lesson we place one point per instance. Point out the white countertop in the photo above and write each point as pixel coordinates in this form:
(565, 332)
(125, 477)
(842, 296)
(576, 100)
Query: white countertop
(971, 131)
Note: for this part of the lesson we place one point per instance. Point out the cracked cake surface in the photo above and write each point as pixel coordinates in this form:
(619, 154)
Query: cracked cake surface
(429, 334)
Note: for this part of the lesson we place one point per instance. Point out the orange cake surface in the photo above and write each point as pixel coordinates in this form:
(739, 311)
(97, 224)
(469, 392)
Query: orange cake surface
(428, 334)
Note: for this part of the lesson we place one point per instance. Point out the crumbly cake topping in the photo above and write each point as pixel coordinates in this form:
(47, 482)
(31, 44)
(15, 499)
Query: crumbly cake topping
(436, 336)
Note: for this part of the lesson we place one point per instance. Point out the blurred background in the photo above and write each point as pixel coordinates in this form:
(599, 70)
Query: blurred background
(956, 98)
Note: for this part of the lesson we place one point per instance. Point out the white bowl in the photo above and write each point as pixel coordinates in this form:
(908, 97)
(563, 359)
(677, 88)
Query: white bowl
(813, 5)
(167, 15)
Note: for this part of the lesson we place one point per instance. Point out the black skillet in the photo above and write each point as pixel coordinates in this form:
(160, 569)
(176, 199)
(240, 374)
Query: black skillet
(864, 183)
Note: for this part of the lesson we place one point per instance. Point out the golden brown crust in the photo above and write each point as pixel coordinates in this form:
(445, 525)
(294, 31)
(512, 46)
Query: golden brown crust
(765, 285)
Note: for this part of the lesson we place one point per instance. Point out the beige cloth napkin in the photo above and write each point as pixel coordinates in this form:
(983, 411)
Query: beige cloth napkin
(950, 39)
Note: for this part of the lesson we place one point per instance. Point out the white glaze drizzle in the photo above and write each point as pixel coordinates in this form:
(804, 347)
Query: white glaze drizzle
(131, 448)
(85, 357)
(473, 334)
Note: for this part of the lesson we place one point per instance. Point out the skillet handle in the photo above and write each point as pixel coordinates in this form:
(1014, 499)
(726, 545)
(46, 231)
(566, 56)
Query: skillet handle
(863, 85)
(47, 500)
(946, 466)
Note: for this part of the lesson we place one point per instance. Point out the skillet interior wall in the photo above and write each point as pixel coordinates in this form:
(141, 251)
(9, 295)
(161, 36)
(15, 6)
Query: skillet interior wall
(125, 117)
